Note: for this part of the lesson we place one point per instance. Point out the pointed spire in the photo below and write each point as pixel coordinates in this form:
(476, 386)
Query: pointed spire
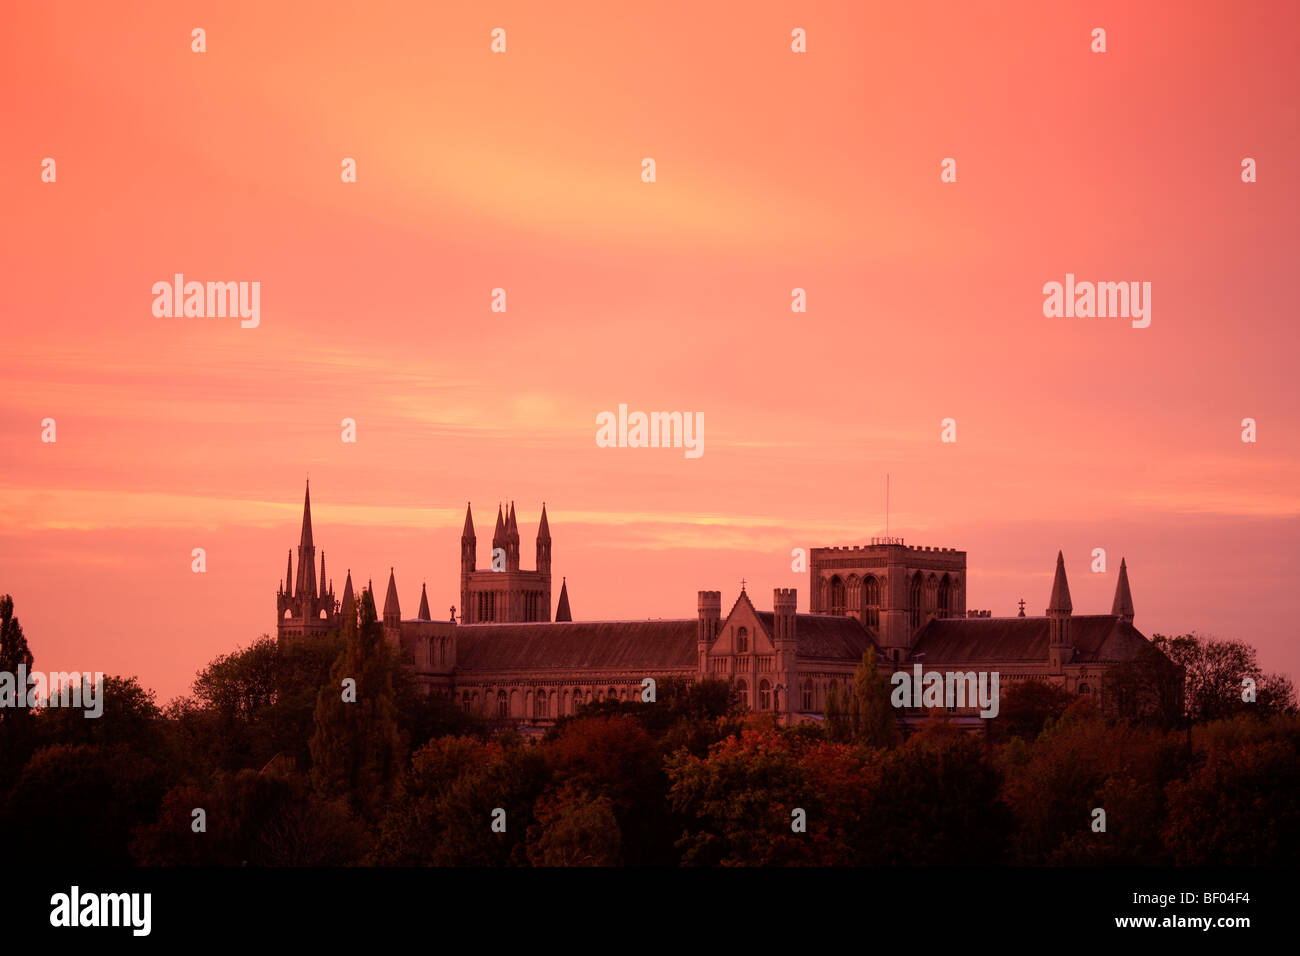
(562, 612)
(1123, 606)
(424, 605)
(348, 600)
(391, 608)
(288, 576)
(1060, 600)
(306, 519)
(469, 524)
(499, 535)
(306, 581)
(512, 526)
(323, 592)
(544, 529)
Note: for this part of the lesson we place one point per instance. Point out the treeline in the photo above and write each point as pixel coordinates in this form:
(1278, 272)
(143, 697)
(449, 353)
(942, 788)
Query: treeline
(266, 764)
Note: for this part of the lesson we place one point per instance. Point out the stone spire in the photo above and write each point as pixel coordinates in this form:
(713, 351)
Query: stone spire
(562, 612)
(288, 575)
(544, 548)
(499, 535)
(424, 604)
(323, 592)
(392, 612)
(1060, 646)
(512, 541)
(348, 599)
(1123, 606)
(306, 585)
(1060, 600)
(468, 533)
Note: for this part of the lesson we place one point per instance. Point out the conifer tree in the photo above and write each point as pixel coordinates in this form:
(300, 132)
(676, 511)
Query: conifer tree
(835, 723)
(875, 723)
(356, 747)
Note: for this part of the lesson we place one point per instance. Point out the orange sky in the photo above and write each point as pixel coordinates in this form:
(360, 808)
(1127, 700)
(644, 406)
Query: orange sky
(522, 171)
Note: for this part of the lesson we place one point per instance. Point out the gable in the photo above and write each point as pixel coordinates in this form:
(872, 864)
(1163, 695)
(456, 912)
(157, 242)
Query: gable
(743, 615)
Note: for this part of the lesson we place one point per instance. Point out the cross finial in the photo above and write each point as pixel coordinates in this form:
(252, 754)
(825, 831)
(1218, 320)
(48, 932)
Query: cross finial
(1022, 607)
(742, 584)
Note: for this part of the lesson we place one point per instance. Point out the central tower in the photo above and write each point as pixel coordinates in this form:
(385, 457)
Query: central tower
(503, 592)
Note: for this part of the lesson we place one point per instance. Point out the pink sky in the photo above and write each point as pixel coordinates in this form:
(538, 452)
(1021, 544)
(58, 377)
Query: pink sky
(522, 171)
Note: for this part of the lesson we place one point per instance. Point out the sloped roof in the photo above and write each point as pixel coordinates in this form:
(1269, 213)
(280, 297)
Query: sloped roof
(1096, 638)
(577, 645)
(831, 636)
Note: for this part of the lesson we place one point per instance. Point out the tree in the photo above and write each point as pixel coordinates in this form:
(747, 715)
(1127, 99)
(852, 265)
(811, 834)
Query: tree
(1238, 808)
(356, 747)
(837, 725)
(874, 718)
(16, 733)
(1215, 671)
(1026, 706)
(574, 828)
(1147, 690)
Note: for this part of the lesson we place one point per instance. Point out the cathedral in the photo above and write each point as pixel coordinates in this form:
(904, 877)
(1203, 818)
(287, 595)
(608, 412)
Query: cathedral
(505, 658)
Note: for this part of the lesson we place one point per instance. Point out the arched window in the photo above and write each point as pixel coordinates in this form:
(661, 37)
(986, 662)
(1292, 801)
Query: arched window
(945, 597)
(742, 691)
(576, 701)
(742, 641)
(871, 601)
(914, 601)
(1084, 689)
(503, 704)
(764, 695)
(539, 706)
(837, 595)
(613, 693)
(807, 695)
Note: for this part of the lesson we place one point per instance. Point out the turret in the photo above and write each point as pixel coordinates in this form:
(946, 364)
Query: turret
(512, 541)
(706, 628)
(784, 604)
(1059, 608)
(423, 614)
(1123, 605)
(349, 603)
(392, 612)
(562, 612)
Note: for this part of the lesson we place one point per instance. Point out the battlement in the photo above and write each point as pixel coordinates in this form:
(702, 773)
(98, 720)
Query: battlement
(879, 543)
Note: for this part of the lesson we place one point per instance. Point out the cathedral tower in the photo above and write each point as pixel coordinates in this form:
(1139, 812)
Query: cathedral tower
(304, 607)
(504, 592)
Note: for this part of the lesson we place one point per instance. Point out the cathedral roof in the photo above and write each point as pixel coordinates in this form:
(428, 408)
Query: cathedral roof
(825, 636)
(1096, 638)
(578, 645)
